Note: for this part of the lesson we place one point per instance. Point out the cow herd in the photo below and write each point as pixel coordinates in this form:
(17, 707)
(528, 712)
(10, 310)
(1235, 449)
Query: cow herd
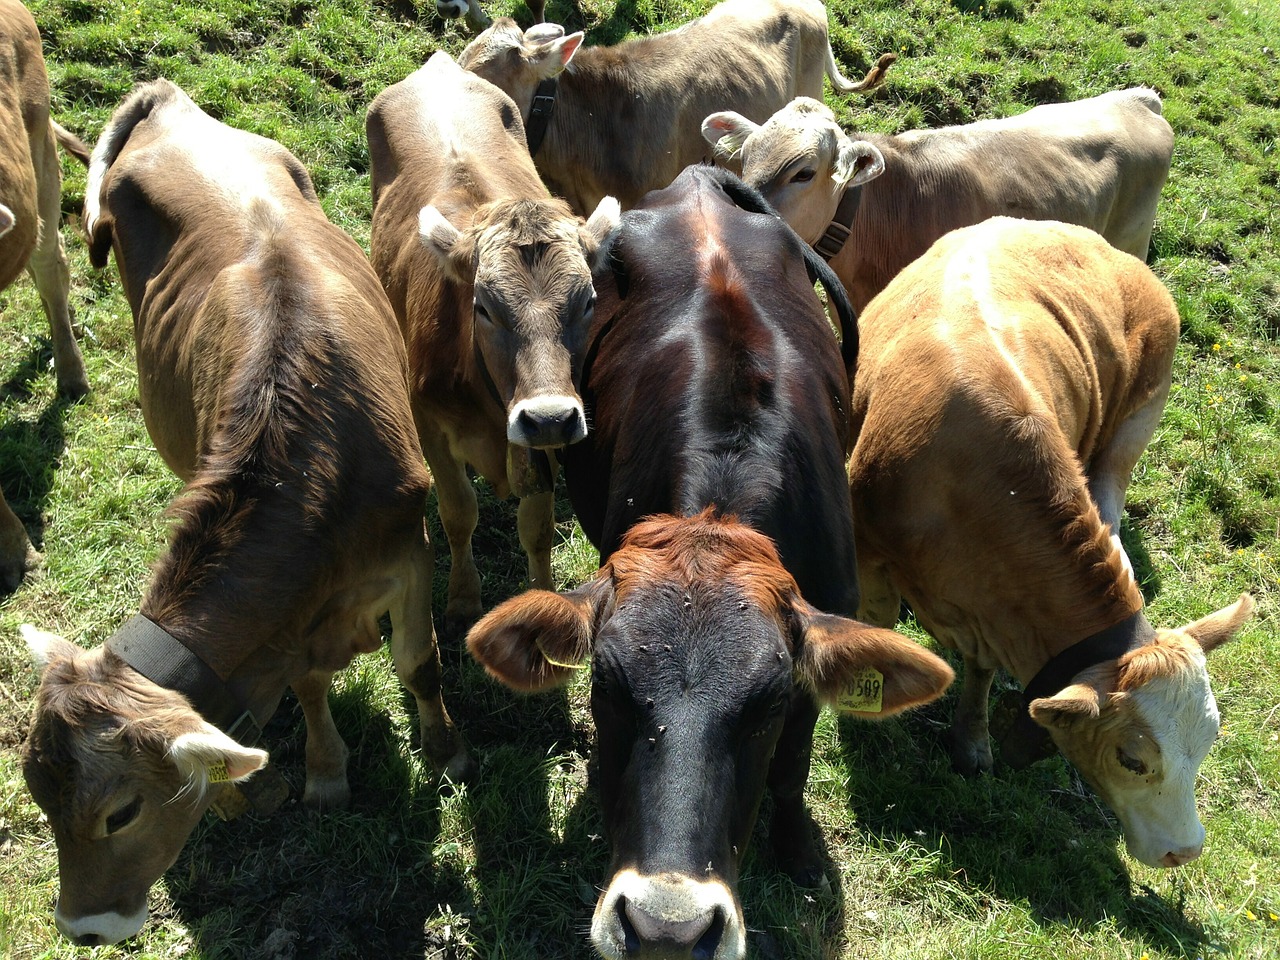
(559, 282)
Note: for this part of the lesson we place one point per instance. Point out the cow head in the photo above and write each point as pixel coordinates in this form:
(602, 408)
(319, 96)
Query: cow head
(516, 61)
(530, 264)
(700, 643)
(1139, 728)
(123, 769)
(800, 160)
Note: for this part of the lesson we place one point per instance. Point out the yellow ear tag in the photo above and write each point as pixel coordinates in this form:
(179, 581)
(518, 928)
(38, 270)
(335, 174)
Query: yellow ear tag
(865, 693)
(554, 662)
(218, 772)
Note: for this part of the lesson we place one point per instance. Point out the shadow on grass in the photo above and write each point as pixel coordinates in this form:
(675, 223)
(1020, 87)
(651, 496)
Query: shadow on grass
(29, 451)
(1037, 836)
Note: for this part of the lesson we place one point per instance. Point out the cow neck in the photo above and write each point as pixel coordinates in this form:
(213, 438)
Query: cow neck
(838, 230)
(1027, 741)
(168, 662)
(544, 104)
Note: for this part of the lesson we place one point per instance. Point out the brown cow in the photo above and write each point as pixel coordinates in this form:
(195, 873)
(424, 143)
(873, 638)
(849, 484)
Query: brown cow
(30, 211)
(1099, 162)
(626, 118)
(491, 281)
(274, 381)
(1007, 383)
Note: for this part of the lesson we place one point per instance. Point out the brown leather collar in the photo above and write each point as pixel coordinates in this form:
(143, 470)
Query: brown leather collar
(833, 239)
(544, 104)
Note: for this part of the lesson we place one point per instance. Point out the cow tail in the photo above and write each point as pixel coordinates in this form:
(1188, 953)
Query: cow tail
(70, 142)
(875, 76)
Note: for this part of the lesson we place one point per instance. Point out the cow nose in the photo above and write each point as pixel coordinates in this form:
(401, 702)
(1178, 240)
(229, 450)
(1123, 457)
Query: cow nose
(1176, 858)
(89, 940)
(648, 935)
(547, 422)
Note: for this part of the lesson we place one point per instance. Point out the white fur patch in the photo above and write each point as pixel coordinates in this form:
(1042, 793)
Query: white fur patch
(106, 927)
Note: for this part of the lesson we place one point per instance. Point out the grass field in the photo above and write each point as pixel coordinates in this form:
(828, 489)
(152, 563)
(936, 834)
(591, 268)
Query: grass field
(923, 864)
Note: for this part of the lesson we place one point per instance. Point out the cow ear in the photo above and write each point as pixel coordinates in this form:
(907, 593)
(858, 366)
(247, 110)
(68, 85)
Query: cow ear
(444, 240)
(536, 640)
(46, 648)
(208, 756)
(864, 670)
(727, 132)
(549, 57)
(602, 222)
(1219, 627)
(857, 162)
(1073, 705)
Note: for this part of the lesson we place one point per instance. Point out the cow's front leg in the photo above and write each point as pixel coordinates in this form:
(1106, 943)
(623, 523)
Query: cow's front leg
(792, 833)
(459, 514)
(537, 524)
(969, 739)
(327, 787)
(417, 660)
(880, 601)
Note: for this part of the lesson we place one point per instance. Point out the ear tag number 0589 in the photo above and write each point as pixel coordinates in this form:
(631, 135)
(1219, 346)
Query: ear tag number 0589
(865, 693)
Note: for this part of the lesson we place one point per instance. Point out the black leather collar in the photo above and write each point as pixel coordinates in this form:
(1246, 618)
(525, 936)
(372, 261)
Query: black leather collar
(544, 104)
(833, 238)
(167, 661)
(1027, 741)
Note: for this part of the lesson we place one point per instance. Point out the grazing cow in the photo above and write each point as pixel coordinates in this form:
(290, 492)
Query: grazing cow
(720, 404)
(490, 278)
(1099, 162)
(30, 211)
(1008, 382)
(624, 120)
(273, 380)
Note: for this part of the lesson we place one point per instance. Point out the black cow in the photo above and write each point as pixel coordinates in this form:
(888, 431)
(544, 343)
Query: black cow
(720, 398)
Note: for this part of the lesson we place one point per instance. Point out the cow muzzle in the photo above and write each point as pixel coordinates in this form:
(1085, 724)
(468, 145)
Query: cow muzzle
(668, 917)
(451, 9)
(99, 929)
(549, 420)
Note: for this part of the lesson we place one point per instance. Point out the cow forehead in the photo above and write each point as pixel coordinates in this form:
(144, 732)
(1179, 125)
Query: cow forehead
(1180, 711)
(504, 35)
(787, 138)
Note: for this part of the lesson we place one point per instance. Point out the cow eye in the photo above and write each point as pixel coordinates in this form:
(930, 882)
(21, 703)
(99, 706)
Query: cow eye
(1131, 763)
(803, 176)
(124, 816)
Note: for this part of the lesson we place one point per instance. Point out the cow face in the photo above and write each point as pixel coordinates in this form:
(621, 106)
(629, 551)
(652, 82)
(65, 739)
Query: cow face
(529, 263)
(800, 160)
(701, 646)
(516, 61)
(1138, 733)
(123, 770)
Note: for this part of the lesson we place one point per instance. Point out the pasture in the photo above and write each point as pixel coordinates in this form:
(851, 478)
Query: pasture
(922, 863)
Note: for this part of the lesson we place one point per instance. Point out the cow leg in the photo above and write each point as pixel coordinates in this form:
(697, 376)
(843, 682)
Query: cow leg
(969, 738)
(792, 834)
(17, 556)
(417, 660)
(536, 521)
(327, 787)
(51, 274)
(880, 600)
(1111, 467)
(459, 515)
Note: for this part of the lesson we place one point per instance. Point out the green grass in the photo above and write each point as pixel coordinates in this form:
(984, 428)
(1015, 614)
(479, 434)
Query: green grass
(924, 864)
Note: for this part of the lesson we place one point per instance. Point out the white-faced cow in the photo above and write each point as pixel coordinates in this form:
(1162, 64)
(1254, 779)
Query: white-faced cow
(1099, 162)
(30, 212)
(624, 120)
(721, 425)
(273, 380)
(1008, 381)
(490, 278)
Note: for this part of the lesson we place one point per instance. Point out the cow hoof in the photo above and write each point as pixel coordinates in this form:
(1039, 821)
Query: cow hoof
(462, 768)
(798, 854)
(970, 759)
(327, 793)
(14, 570)
(460, 616)
(73, 387)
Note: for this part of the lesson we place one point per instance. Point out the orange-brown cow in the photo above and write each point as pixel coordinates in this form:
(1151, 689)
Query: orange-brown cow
(1007, 383)
(490, 278)
(30, 211)
(274, 381)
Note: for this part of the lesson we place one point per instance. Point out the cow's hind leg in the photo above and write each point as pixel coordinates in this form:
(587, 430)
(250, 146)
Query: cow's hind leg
(459, 515)
(880, 600)
(327, 787)
(969, 738)
(417, 660)
(792, 833)
(51, 274)
(536, 522)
